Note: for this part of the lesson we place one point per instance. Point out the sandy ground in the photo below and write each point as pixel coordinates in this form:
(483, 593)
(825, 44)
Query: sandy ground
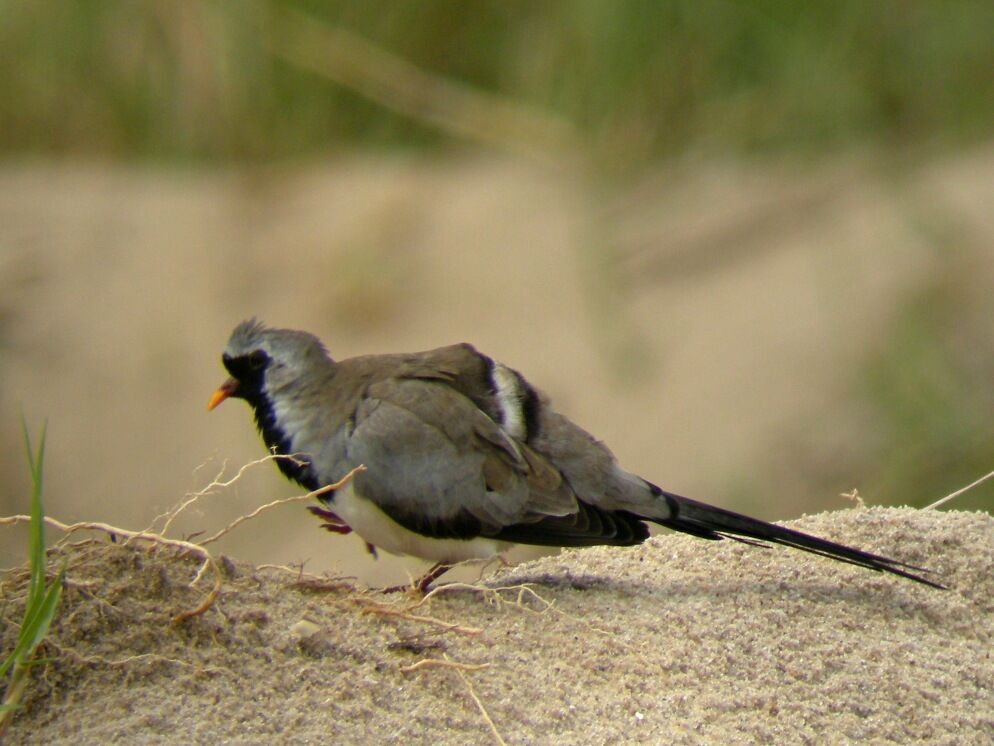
(677, 641)
(743, 300)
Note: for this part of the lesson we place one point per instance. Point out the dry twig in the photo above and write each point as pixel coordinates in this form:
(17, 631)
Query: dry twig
(442, 663)
(217, 484)
(99, 660)
(179, 544)
(479, 705)
(959, 492)
(372, 607)
(854, 497)
(208, 563)
(493, 595)
(277, 503)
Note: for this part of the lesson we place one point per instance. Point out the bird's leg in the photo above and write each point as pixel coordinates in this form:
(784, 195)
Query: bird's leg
(431, 576)
(423, 582)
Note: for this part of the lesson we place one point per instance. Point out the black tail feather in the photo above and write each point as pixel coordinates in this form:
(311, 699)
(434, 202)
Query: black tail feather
(710, 522)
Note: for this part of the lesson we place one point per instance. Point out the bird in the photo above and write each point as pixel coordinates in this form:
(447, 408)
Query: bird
(464, 458)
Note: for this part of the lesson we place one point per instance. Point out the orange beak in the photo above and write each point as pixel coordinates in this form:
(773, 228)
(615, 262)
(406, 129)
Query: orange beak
(225, 390)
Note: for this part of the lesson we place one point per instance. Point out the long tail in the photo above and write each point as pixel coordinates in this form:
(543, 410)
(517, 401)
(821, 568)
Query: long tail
(709, 522)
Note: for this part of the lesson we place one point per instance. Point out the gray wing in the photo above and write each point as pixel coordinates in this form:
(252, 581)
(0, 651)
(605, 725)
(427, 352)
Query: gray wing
(440, 466)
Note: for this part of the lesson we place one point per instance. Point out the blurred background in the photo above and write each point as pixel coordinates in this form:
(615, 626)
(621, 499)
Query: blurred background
(749, 245)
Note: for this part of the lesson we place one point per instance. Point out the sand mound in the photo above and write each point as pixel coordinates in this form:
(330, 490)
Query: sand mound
(676, 641)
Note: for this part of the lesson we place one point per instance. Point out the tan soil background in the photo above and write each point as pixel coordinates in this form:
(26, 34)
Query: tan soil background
(720, 348)
(726, 334)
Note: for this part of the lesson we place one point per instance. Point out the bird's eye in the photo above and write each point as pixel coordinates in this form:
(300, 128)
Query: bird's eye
(257, 360)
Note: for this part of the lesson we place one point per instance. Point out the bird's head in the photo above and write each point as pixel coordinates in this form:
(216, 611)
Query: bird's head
(264, 361)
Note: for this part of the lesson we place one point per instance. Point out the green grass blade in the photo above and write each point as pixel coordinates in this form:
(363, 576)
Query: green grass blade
(36, 539)
(44, 613)
(37, 620)
(42, 601)
(35, 625)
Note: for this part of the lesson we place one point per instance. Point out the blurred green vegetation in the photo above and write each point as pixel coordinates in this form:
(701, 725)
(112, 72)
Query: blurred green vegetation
(193, 80)
(635, 81)
(918, 418)
(929, 390)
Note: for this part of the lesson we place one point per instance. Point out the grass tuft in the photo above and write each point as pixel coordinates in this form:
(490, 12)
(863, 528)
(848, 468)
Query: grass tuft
(43, 598)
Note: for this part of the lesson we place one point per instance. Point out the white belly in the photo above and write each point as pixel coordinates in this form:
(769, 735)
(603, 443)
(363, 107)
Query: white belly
(376, 527)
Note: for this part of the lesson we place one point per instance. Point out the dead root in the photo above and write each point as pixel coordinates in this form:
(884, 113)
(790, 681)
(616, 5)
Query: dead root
(208, 564)
(446, 663)
(131, 660)
(479, 706)
(522, 597)
(442, 663)
(389, 610)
